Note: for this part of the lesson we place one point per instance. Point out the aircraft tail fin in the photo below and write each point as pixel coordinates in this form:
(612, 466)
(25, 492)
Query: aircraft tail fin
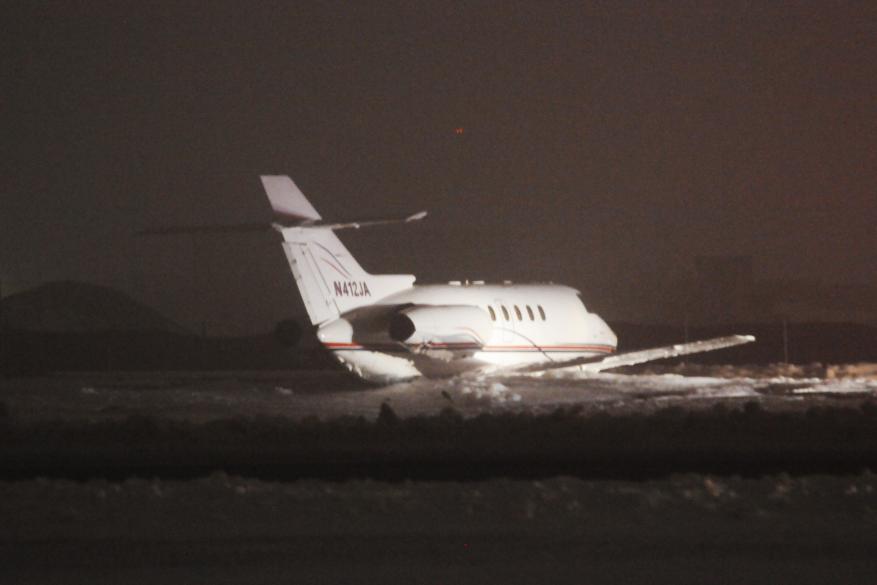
(329, 278)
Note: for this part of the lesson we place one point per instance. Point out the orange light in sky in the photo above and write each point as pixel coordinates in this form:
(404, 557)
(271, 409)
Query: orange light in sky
(459, 130)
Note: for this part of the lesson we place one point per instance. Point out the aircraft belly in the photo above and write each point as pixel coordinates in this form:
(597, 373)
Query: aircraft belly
(377, 366)
(513, 358)
(385, 367)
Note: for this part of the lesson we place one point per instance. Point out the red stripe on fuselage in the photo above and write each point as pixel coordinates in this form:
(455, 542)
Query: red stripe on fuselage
(542, 348)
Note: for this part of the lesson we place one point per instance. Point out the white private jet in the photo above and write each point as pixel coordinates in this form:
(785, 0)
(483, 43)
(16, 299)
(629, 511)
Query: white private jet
(384, 328)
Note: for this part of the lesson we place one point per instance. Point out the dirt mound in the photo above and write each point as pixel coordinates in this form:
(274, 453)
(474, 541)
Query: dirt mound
(76, 307)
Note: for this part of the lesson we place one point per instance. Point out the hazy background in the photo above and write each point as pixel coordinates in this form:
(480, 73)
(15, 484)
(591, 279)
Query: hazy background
(604, 145)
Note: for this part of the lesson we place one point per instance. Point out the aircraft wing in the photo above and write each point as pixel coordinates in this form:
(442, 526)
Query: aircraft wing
(600, 363)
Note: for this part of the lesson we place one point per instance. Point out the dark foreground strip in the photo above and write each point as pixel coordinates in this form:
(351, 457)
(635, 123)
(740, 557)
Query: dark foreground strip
(632, 469)
(746, 442)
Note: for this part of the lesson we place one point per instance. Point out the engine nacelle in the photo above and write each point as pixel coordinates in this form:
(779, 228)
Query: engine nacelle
(442, 326)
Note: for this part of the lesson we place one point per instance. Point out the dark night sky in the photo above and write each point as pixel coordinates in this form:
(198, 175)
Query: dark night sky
(605, 145)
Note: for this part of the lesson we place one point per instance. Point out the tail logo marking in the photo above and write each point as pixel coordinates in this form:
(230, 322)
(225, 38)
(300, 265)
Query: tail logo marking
(335, 263)
(351, 288)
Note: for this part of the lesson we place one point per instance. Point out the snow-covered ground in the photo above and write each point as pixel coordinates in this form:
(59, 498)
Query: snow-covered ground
(690, 528)
(201, 396)
(222, 529)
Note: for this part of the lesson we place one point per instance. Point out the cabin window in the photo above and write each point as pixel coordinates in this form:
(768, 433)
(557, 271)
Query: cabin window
(492, 313)
(541, 311)
(518, 313)
(505, 312)
(530, 313)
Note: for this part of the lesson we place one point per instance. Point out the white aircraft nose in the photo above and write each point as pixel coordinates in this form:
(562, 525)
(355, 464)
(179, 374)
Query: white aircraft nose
(600, 331)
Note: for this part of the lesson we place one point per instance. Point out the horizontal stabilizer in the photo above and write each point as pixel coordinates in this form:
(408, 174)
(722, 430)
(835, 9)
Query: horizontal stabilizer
(291, 207)
(259, 226)
(370, 222)
(630, 358)
(205, 229)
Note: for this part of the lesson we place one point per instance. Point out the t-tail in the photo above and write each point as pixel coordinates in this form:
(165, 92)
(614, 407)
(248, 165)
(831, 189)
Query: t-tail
(329, 278)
